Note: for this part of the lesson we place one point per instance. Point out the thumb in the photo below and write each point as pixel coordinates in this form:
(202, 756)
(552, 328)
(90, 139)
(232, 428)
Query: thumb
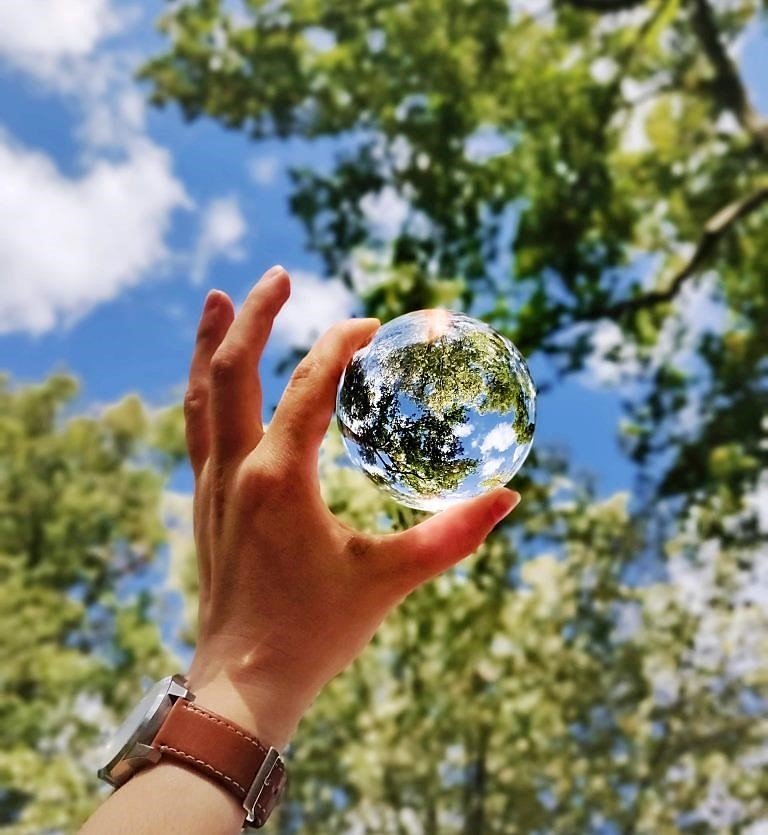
(444, 539)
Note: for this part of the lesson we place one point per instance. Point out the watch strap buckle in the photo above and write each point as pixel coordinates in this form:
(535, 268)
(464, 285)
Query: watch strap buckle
(265, 790)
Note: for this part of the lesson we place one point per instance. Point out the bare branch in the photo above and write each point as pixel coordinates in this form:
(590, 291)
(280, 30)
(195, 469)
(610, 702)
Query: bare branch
(603, 5)
(714, 230)
(729, 86)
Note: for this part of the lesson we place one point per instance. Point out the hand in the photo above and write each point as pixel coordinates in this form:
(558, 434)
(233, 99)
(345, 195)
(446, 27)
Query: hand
(289, 595)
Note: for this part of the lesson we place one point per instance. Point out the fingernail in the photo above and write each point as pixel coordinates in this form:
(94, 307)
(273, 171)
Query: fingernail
(506, 503)
(273, 271)
(369, 337)
(211, 300)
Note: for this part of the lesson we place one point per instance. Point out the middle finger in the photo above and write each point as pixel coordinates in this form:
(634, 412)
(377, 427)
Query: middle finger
(236, 419)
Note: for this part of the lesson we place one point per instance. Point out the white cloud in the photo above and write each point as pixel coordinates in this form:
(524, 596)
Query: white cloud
(113, 120)
(463, 429)
(728, 124)
(492, 466)
(501, 437)
(222, 228)
(401, 152)
(70, 242)
(625, 18)
(67, 244)
(613, 359)
(315, 304)
(639, 96)
(369, 268)
(34, 35)
(263, 170)
(376, 40)
(698, 311)
(386, 211)
(64, 56)
(693, 581)
(540, 10)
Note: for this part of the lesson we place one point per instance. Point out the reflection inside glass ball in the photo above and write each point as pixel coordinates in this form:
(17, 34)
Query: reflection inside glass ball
(437, 408)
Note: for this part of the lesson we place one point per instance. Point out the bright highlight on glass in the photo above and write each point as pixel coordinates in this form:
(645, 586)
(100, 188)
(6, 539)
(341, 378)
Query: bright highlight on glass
(437, 408)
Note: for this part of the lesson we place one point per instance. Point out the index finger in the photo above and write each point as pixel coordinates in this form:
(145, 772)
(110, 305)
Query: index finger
(305, 409)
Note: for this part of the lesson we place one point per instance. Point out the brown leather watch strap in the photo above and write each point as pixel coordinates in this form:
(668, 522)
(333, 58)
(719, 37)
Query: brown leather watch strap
(223, 751)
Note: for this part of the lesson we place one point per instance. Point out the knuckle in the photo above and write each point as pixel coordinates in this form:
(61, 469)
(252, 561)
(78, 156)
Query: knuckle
(339, 330)
(195, 400)
(224, 365)
(207, 331)
(256, 482)
(306, 370)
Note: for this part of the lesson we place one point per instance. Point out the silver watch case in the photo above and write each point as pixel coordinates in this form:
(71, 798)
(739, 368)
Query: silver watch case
(130, 748)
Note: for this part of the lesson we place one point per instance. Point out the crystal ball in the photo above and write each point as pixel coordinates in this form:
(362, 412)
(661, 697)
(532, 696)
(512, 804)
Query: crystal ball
(438, 407)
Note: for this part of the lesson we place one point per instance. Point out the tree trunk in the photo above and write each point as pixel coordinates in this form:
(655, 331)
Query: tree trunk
(474, 821)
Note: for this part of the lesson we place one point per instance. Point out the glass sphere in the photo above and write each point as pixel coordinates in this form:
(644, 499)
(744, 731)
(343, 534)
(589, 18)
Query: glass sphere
(437, 408)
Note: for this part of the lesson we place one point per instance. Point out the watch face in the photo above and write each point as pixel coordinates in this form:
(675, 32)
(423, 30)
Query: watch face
(139, 728)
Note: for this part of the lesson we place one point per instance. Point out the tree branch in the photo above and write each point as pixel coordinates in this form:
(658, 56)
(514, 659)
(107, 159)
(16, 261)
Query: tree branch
(714, 230)
(474, 821)
(729, 85)
(602, 5)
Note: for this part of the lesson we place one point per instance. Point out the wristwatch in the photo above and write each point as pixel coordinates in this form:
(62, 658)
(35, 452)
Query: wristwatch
(167, 723)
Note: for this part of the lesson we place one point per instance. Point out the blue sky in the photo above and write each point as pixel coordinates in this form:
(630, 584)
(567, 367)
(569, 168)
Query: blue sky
(117, 218)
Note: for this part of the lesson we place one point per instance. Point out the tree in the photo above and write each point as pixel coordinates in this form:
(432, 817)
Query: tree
(588, 173)
(79, 530)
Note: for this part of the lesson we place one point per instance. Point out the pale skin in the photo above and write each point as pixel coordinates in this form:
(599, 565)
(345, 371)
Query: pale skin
(289, 594)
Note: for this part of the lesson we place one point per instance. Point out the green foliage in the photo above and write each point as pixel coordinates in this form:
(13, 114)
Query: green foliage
(591, 179)
(537, 689)
(78, 522)
(622, 149)
(587, 177)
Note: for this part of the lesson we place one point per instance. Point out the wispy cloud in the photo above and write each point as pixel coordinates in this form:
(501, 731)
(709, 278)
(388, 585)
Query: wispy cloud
(222, 229)
(501, 437)
(315, 304)
(386, 211)
(263, 170)
(36, 35)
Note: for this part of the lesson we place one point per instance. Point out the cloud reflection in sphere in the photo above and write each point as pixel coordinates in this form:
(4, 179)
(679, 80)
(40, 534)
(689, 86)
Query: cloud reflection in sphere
(437, 408)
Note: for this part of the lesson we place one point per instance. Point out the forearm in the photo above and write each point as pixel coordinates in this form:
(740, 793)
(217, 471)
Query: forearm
(169, 798)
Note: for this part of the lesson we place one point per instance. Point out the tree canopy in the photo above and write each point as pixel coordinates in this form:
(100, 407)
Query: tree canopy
(563, 170)
(590, 177)
(79, 530)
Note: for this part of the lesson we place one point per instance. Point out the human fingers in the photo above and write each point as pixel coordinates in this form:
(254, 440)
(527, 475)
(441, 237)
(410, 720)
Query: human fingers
(302, 416)
(411, 557)
(215, 320)
(235, 386)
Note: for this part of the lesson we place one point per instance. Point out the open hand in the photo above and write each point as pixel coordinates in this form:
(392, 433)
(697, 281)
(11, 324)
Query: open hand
(289, 595)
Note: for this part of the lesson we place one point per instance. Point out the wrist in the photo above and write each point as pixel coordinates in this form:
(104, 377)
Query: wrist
(270, 715)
